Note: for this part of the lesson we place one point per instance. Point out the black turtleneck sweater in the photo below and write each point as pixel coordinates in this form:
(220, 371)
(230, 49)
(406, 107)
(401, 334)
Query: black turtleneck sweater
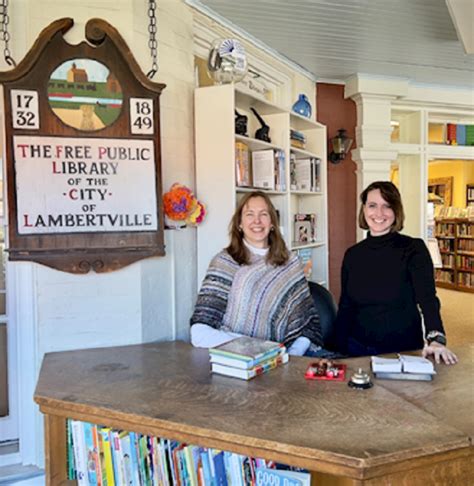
(384, 280)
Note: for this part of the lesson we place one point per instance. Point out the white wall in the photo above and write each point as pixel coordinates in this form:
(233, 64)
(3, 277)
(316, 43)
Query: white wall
(137, 303)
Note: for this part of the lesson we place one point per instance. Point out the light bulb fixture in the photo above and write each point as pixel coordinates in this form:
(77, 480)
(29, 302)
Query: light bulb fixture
(341, 144)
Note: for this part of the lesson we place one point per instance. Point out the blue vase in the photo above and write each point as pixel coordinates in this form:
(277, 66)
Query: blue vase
(302, 106)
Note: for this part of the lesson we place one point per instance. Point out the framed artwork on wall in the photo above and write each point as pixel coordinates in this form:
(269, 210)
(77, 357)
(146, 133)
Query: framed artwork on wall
(440, 191)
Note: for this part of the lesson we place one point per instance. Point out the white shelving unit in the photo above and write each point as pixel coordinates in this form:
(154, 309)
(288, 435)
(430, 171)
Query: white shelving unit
(215, 170)
(416, 150)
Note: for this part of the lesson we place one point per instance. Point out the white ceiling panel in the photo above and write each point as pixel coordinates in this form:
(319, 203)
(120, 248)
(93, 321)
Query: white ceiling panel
(333, 39)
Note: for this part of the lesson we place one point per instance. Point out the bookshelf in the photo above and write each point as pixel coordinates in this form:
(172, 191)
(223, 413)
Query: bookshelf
(420, 137)
(456, 243)
(216, 183)
(469, 195)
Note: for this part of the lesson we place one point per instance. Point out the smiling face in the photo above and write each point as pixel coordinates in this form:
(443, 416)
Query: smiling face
(378, 214)
(255, 222)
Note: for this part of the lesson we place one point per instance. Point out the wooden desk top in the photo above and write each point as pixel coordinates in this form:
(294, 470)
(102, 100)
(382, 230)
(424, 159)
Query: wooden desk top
(166, 389)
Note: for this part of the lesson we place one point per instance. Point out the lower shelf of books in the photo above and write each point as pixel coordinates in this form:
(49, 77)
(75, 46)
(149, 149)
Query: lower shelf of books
(98, 455)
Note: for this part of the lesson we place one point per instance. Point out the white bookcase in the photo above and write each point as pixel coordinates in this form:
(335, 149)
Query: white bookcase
(416, 150)
(215, 170)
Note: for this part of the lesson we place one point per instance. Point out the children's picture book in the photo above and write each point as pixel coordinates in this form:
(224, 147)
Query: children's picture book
(244, 364)
(248, 374)
(281, 477)
(306, 257)
(305, 228)
(405, 367)
(247, 348)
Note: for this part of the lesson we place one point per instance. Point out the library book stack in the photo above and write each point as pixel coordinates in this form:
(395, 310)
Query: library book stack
(245, 357)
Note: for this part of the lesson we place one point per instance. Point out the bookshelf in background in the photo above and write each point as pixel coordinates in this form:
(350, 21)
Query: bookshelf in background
(224, 172)
(456, 243)
(469, 195)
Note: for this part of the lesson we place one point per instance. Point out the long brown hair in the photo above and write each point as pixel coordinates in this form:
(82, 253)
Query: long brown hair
(278, 253)
(391, 195)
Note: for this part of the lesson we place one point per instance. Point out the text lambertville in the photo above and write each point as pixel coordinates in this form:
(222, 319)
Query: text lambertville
(86, 220)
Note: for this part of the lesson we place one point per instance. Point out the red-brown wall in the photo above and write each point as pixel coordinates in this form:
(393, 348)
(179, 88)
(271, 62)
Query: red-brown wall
(336, 112)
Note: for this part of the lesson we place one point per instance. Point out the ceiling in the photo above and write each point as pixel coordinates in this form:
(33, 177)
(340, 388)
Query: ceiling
(334, 39)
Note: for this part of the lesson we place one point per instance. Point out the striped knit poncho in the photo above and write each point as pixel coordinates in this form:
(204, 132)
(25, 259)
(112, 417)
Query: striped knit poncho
(258, 300)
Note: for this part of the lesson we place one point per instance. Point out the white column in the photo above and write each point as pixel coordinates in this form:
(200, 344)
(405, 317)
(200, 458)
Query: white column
(373, 155)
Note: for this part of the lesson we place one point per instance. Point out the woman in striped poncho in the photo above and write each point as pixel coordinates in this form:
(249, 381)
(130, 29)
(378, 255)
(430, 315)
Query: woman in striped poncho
(255, 287)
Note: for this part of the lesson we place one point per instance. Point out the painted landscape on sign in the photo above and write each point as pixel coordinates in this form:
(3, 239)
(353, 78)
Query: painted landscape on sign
(84, 94)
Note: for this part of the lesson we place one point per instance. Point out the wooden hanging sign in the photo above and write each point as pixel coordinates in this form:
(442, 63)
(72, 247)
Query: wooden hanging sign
(82, 125)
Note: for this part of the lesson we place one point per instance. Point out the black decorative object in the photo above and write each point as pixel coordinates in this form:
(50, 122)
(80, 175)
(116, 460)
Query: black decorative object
(263, 132)
(240, 124)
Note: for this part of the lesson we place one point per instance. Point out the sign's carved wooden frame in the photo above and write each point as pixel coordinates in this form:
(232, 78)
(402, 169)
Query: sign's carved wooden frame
(81, 251)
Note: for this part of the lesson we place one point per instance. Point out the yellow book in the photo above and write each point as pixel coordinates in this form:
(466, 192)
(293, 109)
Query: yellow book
(106, 457)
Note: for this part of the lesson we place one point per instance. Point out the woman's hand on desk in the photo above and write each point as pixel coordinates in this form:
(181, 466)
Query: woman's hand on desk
(438, 351)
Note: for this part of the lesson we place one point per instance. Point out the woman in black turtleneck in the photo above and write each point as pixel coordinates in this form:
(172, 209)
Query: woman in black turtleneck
(387, 285)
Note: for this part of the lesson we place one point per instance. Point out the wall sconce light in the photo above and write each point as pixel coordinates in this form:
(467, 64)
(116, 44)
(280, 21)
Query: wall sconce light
(341, 144)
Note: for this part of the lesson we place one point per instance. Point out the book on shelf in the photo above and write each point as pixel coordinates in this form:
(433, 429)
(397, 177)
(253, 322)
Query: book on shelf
(243, 172)
(306, 258)
(281, 477)
(263, 169)
(246, 351)
(305, 174)
(404, 367)
(248, 374)
(304, 228)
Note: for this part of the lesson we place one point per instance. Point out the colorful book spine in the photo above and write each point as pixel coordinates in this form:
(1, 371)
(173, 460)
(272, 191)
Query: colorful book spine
(108, 466)
(451, 134)
(253, 372)
(80, 454)
(470, 135)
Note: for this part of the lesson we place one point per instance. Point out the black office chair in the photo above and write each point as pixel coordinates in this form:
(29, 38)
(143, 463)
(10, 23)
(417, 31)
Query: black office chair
(327, 310)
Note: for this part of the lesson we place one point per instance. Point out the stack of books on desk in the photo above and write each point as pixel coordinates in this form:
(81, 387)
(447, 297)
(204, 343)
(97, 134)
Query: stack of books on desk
(246, 357)
(404, 367)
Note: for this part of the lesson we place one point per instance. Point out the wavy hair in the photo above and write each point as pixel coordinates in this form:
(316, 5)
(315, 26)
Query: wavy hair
(278, 253)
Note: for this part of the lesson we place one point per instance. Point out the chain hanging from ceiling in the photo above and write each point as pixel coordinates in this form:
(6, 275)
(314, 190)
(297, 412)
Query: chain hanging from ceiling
(4, 34)
(152, 42)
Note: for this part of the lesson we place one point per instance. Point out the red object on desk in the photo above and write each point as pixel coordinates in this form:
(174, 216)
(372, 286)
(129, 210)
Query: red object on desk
(320, 370)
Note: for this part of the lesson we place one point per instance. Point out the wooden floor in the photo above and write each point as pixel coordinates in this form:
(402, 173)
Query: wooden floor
(457, 311)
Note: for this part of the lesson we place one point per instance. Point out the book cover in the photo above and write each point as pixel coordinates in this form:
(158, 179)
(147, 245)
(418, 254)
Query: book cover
(219, 468)
(107, 464)
(91, 454)
(80, 453)
(263, 169)
(246, 348)
(281, 477)
(245, 364)
(306, 258)
(302, 174)
(252, 372)
(243, 174)
(305, 228)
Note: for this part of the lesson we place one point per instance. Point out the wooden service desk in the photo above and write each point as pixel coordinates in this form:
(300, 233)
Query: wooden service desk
(397, 433)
